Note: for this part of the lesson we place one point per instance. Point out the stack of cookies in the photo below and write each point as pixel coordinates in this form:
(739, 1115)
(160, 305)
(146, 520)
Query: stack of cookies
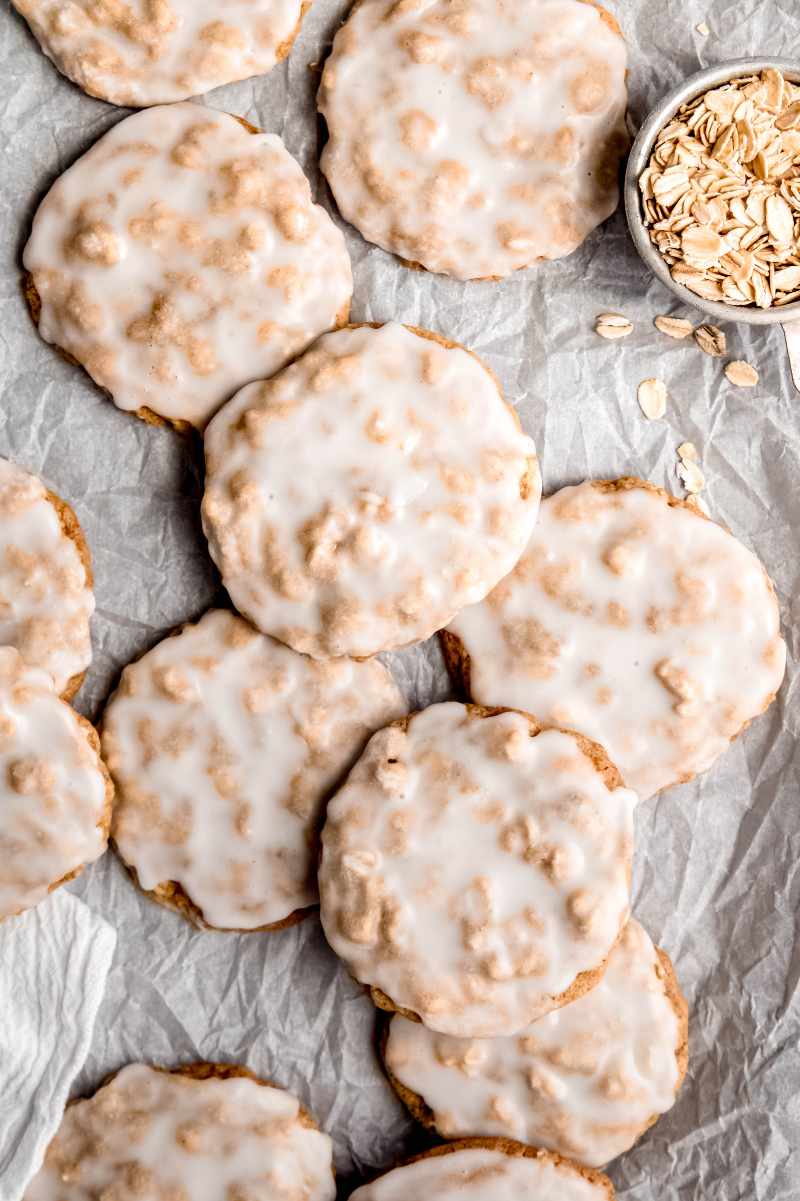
(367, 486)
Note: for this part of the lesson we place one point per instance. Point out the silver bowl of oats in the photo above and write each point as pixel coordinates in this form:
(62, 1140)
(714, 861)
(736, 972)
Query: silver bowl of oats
(712, 192)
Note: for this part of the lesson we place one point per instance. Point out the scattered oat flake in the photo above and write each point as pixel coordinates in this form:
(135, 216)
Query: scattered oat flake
(703, 29)
(688, 451)
(674, 327)
(612, 326)
(711, 340)
(742, 374)
(691, 476)
(652, 397)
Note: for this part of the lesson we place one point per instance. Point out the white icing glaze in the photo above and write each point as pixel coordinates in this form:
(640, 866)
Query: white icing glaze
(52, 790)
(140, 52)
(484, 1174)
(163, 1137)
(181, 257)
(46, 600)
(358, 500)
(224, 745)
(471, 871)
(475, 136)
(585, 1080)
(642, 625)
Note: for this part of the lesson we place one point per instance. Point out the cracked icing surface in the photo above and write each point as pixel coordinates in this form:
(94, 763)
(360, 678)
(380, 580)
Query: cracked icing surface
(486, 1174)
(359, 499)
(635, 621)
(224, 745)
(474, 137)
(168, 1137)
(182, 257)
(585, 1080)
(471, 871)
(141, 52)
(53, 801)
(46, 598)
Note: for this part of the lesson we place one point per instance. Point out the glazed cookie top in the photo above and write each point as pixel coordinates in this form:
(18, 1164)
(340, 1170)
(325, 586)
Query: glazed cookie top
(144, 52)
(359, 499)
(158, 1134)
(486, 1174)
(471, 870)
(181, 257)
(636, 621)
(585, 1080)
(46, 597)
(474, 137)
(53, 804)
(224, 745)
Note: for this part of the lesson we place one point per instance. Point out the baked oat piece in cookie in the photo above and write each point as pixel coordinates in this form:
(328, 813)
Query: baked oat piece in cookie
(585, 1080)
(224, 746)
(182, 257)
(46, 597)
(205, 1132)
(484, 1169)
(475, 137)
(141, 52)
(634, 619)
(359, 499)
(55, 793)
(475, 869)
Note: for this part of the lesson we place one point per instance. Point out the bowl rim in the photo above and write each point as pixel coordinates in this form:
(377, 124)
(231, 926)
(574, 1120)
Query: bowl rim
(663, 112)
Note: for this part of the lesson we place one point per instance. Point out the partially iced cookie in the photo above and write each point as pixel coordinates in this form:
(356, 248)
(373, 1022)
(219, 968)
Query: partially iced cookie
(209, 1132)
(488, 1170)
(634, 619)
(142, 52)
(357, 500)
(475, 137)
(224, 746)
(55, 793)
(46, 597)
(585, 1080)
(475, 869)
(182, 257)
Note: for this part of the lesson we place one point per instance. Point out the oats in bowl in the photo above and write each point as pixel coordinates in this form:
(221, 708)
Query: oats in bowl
(721, 192)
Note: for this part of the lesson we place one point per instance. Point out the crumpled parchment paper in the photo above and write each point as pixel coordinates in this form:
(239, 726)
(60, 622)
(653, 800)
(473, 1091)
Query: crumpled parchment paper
(717, 880)
(54, 964)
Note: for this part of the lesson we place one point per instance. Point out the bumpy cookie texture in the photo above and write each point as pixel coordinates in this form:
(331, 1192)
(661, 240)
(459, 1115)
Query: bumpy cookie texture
(208, 1135)
(634, 619)
(359, 499)
(182, 257)
(224, 745)
(474, 137)
(585, 1080)
(476, 871)
(55, 795)
(488, 1170)
(46, 597)
(141, 52)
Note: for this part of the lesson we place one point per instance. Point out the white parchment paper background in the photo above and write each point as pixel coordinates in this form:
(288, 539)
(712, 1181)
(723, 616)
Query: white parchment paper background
(717, 876)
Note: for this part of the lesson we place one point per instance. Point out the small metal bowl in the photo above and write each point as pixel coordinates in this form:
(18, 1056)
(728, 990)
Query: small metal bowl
(642, 148)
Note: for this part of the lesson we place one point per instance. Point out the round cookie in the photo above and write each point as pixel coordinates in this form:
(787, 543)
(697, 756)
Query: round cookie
(205, 1131)
(359, 499)
(144, 52)
(634, 619)
(224, 746)
(585, 1080)
(46, 597)
(475, 869)
(475, 137)
(182, 257)
(484, 1169)
(55, 793)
